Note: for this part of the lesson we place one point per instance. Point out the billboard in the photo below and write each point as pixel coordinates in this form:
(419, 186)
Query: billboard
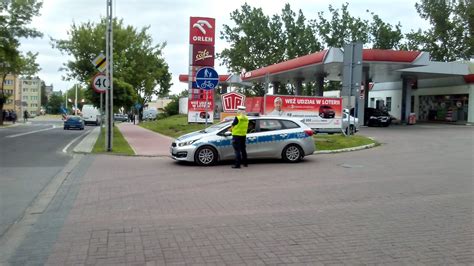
(254, 105)
(317, 112)
(197, 109)
(202, 30)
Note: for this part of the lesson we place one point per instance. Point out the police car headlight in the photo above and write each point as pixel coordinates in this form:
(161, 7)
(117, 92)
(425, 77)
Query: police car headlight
(187, 143)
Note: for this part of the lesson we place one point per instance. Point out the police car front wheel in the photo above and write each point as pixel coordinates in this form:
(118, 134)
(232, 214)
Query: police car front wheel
(206, 156)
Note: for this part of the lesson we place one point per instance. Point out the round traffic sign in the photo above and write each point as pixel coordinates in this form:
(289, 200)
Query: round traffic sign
(207, 78)
(100, 83)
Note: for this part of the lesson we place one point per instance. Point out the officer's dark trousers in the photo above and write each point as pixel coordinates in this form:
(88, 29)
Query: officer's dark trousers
(238, 142)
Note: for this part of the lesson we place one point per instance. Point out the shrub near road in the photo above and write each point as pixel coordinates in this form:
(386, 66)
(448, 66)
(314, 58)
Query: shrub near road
(177, 125)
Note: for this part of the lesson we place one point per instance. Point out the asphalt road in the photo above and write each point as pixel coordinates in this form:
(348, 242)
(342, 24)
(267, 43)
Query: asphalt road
(31, 155)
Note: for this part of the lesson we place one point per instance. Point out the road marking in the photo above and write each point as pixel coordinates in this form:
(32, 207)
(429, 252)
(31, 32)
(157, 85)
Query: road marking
(72, 141)
(31, 132)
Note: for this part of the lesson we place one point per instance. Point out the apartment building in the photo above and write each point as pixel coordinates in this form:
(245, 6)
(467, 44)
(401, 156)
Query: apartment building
(30, 95)
(10, 87)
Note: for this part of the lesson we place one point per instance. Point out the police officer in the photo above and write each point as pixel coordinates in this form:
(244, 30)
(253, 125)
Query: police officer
(239, 132)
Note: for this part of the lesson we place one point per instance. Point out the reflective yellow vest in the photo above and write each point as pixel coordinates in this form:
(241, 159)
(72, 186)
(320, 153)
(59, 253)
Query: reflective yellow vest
(241, 128)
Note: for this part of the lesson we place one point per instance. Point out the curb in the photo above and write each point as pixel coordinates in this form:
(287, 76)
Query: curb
(14, 125)
(87, 143)
(358, 148)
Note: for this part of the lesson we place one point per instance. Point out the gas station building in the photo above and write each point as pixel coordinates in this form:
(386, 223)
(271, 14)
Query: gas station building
(402, 82)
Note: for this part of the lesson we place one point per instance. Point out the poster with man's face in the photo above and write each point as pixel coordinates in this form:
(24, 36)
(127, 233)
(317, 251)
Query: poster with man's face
(320, 112)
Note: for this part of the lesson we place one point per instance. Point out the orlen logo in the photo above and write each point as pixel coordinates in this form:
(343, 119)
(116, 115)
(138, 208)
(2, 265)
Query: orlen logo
(231, 100)
(202, 30)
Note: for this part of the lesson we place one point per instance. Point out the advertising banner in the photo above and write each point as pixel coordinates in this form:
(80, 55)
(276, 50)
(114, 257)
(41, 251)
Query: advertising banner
(197, 109)
(254, 105)
(317, 112)
(203, 55)
(202, 30)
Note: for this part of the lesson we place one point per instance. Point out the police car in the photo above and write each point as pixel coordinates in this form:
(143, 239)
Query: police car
(267, 137)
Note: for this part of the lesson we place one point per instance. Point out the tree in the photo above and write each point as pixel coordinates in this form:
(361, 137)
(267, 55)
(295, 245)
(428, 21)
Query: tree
(14, 21)
(256, 41)
(342, 28)
(298, 36)
(44, 97)
(173, 107)
(54, 104)
(140, 70)
(383, 35)
(451, 35)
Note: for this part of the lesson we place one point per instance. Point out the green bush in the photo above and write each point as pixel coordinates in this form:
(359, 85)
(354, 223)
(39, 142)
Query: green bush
(173, 107)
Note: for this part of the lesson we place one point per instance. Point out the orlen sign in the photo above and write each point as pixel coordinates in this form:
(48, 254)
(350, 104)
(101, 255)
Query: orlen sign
(231, 100)
(202, 30)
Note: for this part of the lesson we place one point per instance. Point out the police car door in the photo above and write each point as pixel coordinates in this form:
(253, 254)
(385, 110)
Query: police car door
(270, 138)
(252, 136)
(224, 145)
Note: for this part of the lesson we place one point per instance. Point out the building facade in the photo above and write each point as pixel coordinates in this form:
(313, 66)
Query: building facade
(449, 100)
(48, 91)
(30, 95)
(10, 87)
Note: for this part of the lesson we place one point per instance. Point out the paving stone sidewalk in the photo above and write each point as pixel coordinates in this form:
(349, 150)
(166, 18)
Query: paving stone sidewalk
(145, 142)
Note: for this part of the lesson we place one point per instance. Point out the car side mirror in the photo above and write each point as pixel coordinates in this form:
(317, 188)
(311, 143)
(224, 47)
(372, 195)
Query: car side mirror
(227, 134)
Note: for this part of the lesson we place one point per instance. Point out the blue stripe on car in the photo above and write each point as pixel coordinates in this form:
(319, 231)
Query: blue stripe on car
(258, 139)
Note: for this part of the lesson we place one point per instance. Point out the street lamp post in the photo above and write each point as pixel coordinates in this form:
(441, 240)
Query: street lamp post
(75, 102)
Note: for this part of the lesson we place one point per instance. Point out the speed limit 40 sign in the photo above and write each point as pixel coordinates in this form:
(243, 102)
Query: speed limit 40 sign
(100, 83)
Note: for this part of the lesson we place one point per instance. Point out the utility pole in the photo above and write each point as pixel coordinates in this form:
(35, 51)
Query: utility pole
(109, 103)
(66, 101)
(75, 102)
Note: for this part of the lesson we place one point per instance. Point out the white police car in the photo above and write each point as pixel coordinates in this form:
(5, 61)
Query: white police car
(268, 137)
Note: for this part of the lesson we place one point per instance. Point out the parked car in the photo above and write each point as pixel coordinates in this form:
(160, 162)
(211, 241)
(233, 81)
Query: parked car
(150, 114)
(120, 117)
(376, 117)
(349, 125)
(91, 114)
(268, 137)
(74, 122)
(203, 115)
(326, 111)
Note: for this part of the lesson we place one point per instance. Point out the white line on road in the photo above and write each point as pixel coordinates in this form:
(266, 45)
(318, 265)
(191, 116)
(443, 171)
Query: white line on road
(31, 132)
(72, 141)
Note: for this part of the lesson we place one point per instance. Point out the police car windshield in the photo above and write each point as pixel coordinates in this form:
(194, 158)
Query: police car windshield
(216, 127)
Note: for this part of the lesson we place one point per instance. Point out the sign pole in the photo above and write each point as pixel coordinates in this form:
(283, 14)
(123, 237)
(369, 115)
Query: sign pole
(101, 110)
(109, 74)
(207, 100)
(75, 101)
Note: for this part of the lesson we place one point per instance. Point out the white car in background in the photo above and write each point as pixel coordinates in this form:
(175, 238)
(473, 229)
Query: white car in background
(350, 124)
(91, 114)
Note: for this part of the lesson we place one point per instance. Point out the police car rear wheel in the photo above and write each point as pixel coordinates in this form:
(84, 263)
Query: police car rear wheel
(206, 156)
(292, 153)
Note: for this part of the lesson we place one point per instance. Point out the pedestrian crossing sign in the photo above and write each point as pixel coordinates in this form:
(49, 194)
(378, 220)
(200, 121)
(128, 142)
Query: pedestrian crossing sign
(100, 62)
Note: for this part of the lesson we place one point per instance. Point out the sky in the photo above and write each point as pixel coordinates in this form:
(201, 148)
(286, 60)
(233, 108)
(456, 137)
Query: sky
(169, 22)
